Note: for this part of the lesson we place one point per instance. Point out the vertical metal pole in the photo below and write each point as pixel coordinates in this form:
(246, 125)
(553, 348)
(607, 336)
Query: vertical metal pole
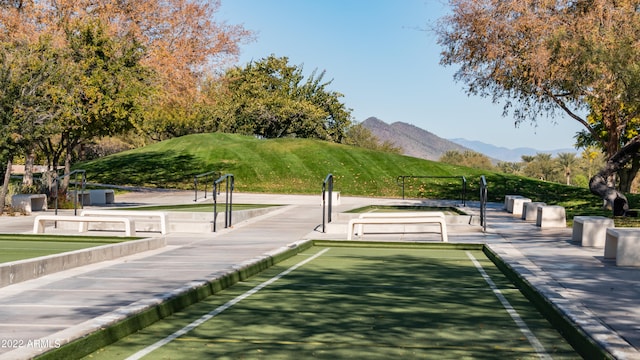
(195, 187)
(215, 205)
(57, 192)
(75, 196)
(464, 191)
(231, 199)
(323, 205)
(205, 187)
(330, 198)
(226, 204)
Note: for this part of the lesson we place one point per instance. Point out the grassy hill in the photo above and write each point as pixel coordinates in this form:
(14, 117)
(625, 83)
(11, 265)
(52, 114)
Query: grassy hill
(298, 166)
(273, 165)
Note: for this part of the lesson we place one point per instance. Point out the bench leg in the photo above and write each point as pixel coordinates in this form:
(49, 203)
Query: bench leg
(443, 230)
(38, 227)
(163, 225)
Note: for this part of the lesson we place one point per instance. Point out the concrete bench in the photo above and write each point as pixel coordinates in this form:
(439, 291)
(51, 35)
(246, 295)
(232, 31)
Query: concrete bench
(40, 220)
(530, 210)
(591, 231)
(508, 202)
(400, 220)
(102, 197)
(518, 204)
(83, 198)
(551, 216)
(29, 202)
(162, 216)
(623, 244)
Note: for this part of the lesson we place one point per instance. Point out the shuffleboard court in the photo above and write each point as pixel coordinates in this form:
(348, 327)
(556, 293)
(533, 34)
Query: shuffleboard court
(334, 302)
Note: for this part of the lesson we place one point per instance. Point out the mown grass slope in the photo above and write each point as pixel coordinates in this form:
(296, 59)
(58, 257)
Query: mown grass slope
(298, 166)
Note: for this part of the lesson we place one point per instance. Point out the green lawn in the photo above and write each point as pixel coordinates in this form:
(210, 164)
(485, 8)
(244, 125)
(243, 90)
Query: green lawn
(20, 247)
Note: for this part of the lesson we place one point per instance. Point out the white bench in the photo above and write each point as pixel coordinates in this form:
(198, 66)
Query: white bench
(398, 218)
(591, 231)
(551, 216)
(29, 202)
(517, 205)
(403, 214)
(162, 216)
(530, 210)
(40, 220)
(623, 244)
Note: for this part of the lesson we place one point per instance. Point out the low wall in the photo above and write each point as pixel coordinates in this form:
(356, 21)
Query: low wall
(23, 270)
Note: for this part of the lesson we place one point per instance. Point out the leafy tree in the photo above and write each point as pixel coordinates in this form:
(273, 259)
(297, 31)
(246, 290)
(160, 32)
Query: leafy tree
(509, 167)
(180, 40)
(102, 93)
(27, 99)
(540, 166)
(358, 135)
(271, 99)
(467, 158)
(592, 160)
(541, 57)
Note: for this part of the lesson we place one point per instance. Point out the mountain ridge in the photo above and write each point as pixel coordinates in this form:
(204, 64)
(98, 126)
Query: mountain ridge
(420, 143)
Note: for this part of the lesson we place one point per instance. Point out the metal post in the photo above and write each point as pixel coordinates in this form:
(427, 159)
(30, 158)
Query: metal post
(328, 180)
(195, 187)
(215, 205)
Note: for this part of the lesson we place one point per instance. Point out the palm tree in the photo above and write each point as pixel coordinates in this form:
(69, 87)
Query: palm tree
(567, 161)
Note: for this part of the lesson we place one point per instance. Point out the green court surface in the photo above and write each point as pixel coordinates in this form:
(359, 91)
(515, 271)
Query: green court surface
(20, 247)
(335, 302)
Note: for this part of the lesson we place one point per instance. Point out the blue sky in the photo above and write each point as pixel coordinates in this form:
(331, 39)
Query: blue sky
(386, 65)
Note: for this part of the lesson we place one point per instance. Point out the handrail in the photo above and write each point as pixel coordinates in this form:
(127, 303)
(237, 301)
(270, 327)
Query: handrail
(195, 183)
(328, 180)
(464, 183)
(75, 189)
(483, 203)
(229, 181)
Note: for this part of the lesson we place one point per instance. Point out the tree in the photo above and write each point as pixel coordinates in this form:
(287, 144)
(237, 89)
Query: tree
(467, 158)
(592, 157)
(545, 56)
(360, 136)
(27, 98)
(540, 166)
(104, 92)
(270, 98)
(568, 161)
(181, 42)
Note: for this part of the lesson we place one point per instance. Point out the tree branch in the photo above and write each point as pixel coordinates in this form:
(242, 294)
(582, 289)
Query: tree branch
(563, 106)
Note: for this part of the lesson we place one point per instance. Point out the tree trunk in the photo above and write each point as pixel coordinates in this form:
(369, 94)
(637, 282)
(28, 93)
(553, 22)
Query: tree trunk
(5, 185)
(628, 173)
(614, 199)
(27, 179)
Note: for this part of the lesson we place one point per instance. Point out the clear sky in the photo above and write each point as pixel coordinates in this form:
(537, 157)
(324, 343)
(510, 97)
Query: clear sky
(386, 64)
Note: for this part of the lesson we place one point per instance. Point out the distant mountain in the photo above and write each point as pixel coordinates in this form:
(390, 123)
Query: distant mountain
(412, 140)
(504, 154)
(423, 144)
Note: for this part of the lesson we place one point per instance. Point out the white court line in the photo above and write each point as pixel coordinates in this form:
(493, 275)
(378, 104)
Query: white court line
(533, 340)
(219, 310)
